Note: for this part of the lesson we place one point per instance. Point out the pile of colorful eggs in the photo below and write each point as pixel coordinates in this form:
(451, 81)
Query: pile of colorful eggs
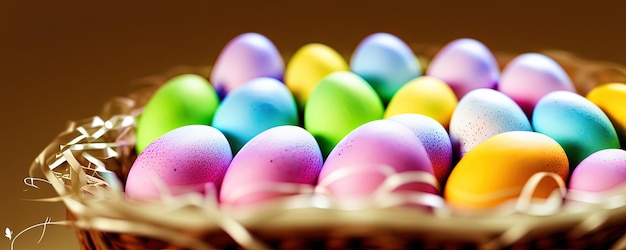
(460, 128)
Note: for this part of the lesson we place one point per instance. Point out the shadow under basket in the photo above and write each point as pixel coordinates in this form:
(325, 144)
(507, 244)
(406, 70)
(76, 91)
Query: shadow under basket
(89, 161)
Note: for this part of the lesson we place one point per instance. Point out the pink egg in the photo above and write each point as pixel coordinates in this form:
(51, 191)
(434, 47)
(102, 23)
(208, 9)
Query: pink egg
(272, 164)
(600, 171)
(244, 58)
(364, 154)
(435, 139)
(529, 77)
(186, 159)
(465, 64)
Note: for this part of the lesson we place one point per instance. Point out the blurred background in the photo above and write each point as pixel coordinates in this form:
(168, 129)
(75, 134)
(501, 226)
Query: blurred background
(61, 60)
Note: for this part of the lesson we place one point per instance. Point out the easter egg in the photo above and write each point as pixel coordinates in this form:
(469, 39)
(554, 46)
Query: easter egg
(308, 66)
(611, 98)
(434, 138)
(355, 167)
(576, 123)
(386, 63)
(256, 106)
(424, 95)
(247, 56)
(183, 100)
(600, 171)
(496, 170)
(483, 113)
(465, 64)
(283, 154)
(341, 102)
(184, 160)
(530, 76)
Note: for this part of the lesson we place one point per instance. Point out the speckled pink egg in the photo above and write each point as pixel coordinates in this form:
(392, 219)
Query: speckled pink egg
(435, 139)
(247, 56)
(600, 171)
(186, 159)
(529, 77)
(366, 151)
(465, 64)
(280, 155)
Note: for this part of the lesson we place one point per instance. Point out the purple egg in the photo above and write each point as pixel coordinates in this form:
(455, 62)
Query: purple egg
(283, 154)
(600, 171)
(244, 58)
(186, 159)
(435, 139)
(529, 77)
(465, 64)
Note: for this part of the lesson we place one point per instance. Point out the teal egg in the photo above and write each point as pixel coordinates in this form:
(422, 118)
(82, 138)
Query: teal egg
(183, 100)
(255, 106)
(578, 125)
(386, 63)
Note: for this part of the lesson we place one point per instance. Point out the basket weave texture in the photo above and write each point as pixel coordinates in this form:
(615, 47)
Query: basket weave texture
(78, 162)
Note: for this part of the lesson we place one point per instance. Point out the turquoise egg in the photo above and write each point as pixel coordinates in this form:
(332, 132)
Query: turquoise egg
(386, 63)
(254, 107)
(578, 125)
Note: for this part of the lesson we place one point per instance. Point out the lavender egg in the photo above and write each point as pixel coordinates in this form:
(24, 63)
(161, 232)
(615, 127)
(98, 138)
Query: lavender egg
(284, 154)
(386, 63)
(244, 58)
(465, 64)
(481, 114)
(183, 160)
(529, 77)
(435, 139)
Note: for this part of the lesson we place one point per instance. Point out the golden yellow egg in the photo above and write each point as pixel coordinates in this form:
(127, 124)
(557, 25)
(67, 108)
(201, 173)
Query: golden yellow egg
(424, 95)
(496, 170)
(611, 98)
(308, 66)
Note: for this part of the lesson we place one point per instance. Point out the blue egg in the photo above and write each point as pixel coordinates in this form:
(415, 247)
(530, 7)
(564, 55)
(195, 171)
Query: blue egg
(578, 125)
(481, 114)
(386, 63)
(256, 106)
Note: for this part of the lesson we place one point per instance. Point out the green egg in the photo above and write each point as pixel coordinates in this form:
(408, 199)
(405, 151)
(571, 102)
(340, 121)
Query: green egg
(340, 102)
(183, 100)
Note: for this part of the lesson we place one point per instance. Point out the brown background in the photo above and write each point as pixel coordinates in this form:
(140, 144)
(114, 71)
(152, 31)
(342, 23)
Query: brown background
(61, 60)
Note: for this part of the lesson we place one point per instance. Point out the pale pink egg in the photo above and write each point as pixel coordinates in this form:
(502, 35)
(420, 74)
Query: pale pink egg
(600, 171)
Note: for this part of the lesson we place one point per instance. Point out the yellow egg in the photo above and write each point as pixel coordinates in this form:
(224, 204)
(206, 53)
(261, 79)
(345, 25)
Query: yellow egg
(611, 98)
(308, 66)
(424, 95)
(496, 170)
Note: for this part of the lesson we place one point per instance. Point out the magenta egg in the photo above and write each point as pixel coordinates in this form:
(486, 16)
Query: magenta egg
(186, 159)
(364, 154)
(272, 164)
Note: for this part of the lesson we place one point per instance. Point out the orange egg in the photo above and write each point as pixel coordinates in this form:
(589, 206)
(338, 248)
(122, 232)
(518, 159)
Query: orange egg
(496, 170)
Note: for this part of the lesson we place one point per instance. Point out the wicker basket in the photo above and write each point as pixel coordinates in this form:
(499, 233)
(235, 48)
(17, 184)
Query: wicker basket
(81, 161)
